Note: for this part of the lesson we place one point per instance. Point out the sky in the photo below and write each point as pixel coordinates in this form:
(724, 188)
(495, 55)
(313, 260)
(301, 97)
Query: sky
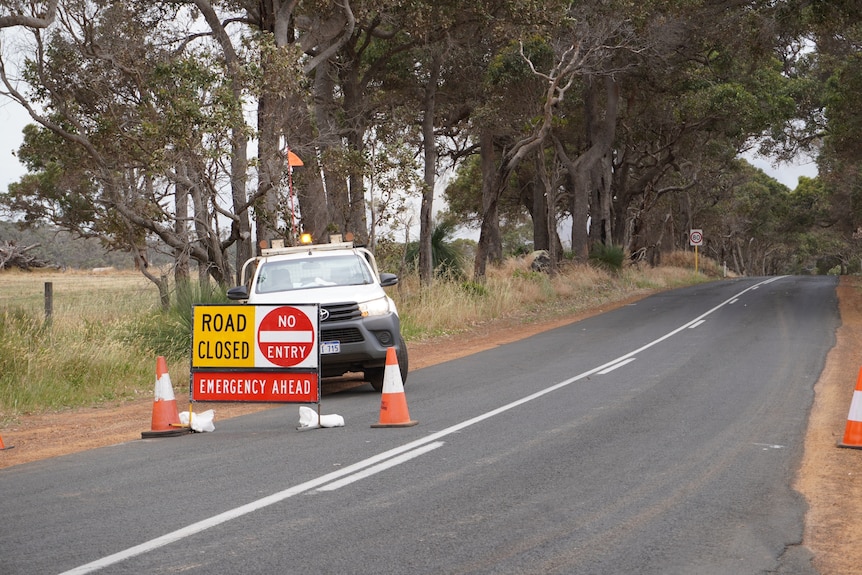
(787, 174)
(13, 119)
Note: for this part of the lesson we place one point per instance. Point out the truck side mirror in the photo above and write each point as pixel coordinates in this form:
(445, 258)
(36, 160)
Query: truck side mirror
(237, 293)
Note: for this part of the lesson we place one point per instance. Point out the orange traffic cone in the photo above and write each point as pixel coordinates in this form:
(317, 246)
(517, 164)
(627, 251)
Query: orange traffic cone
(166, 417)
(4, 447)
(393, 402)
(853, 432)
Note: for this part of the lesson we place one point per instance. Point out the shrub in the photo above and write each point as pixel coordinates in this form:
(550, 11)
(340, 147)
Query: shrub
(169, 332)
(474, 289)
(609, 257)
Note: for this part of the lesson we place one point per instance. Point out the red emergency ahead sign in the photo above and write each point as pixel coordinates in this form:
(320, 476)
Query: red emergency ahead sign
(266, 386)
(266, 353)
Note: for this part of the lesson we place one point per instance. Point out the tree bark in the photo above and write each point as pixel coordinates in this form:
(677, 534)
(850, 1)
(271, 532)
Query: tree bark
(490, 244)
(550, 220)
(591, 175)
(181, 221)
(429, 148)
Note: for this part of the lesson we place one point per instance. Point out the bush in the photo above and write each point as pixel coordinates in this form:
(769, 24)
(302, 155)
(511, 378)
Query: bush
(608, 257)
(474, 289)
(169, 332)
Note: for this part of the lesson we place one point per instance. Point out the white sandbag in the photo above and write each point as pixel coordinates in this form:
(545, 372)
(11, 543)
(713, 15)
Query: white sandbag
(201, 422)
(308, 419)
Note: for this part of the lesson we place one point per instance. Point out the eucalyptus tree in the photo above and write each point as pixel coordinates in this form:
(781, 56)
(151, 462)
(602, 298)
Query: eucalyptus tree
(577, 50)
(526, 80)
(439, 82)
(710, 84)
(750, 220)
(124, 122)
(835, 65)
(320, 87)
(15, 14)
(234, 67)
(667, 93)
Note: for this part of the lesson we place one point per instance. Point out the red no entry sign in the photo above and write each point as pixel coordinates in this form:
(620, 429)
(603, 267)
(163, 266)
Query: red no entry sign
(286, 337)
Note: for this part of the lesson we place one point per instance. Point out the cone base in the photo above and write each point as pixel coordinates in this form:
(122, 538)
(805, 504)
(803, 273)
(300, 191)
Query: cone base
(848, 446)
(167, 433)
(7, 448)
(404, 424)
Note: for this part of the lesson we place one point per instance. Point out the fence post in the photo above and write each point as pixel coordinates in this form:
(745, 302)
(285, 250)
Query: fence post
(49, 302)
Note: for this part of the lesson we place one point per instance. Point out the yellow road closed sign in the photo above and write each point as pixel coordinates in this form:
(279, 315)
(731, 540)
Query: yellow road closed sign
(224, 336)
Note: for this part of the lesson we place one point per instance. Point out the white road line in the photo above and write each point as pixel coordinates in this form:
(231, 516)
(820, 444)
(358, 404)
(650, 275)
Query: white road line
(318, 482)
(616, 365)
(380, 467)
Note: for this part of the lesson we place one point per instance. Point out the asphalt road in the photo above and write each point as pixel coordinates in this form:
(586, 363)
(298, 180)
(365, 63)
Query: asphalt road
(658, 438)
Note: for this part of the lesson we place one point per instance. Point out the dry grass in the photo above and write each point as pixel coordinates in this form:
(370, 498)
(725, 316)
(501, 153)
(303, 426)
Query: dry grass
(78, 295)
(83, 356)
(514, 292)
(90, 354)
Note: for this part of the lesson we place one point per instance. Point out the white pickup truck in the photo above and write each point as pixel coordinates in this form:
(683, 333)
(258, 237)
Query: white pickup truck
(358, 320)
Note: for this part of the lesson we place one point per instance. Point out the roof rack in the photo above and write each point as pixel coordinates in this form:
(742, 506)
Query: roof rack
(306, 248)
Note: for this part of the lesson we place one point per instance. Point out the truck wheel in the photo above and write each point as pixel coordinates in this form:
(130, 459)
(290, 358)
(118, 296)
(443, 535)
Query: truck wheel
(375, 375)
(402, 359)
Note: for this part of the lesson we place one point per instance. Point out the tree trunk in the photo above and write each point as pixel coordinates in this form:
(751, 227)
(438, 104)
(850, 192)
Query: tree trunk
(311, 197)
(490, 246)
(429, 144)
(550, 222)
(590, 172)
(181, 220)
(270, 166)
(239, 141)
(238, 175)
(323, 198)
(602, 174)
(356, 220)
(213, 265)
(537, 205)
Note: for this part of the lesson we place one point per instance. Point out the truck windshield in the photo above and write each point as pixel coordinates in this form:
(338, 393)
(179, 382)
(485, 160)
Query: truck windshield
(313, 271)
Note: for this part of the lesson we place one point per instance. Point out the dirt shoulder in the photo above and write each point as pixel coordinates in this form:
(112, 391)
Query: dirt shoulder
(830, 478)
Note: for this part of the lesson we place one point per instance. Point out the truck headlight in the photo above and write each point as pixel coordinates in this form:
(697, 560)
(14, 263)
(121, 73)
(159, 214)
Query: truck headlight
(378, 306)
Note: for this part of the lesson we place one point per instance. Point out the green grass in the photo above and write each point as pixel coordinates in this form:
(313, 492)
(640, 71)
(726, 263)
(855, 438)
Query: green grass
(87, 355)
(107, 330)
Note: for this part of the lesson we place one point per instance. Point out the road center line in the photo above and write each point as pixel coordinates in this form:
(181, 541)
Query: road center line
(319, 482)
(616, 365)
(369, 471)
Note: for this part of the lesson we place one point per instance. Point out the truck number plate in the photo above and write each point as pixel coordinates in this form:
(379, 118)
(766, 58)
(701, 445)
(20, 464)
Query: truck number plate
(328, 347)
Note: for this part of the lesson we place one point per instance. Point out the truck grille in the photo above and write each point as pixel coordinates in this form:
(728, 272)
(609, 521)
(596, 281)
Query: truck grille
(342, 311)
(346, 335)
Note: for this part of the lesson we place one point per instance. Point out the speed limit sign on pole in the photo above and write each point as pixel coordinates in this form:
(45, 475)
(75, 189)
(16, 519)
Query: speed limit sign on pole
(695, 238)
